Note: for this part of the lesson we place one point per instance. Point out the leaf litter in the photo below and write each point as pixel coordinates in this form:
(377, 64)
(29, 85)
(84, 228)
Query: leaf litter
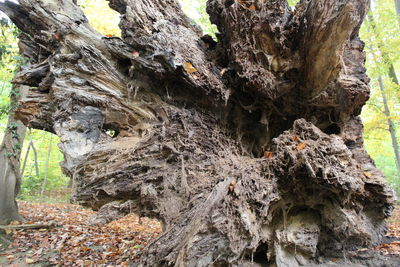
(75, 242)
(119, 243)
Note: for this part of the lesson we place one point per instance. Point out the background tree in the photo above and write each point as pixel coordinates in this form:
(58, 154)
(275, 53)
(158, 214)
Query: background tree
(381, 35)
(10, 148)
(397, 6)
(10, 151)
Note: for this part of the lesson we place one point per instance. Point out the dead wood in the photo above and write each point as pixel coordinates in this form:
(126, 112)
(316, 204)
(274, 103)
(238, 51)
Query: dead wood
(27, 227)
(168, 124)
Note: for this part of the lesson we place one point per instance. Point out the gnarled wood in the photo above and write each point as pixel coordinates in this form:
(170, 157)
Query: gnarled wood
(172, 125)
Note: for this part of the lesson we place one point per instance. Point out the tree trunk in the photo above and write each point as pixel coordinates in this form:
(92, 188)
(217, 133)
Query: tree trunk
(26, 157)
(36, 160)
(10, 152)
(46, 168)
(247, 149)
(397, 5)
(393, 77)
(392, 128)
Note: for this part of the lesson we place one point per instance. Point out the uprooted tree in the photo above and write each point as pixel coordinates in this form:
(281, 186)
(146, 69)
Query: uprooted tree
(246, 149)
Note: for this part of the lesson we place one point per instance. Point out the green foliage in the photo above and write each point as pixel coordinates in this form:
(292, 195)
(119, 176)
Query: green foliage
(196, 10)
(8, 52)
(31, 184)
(293, 2)
(382, 38)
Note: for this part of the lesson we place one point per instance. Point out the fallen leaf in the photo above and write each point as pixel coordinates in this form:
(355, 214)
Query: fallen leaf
(189, 67)
(368, 174)
(135, 54)
(295, 138)
(29, 261)
(252, 7)
(232, 186)
(268, 154)
(301, 146)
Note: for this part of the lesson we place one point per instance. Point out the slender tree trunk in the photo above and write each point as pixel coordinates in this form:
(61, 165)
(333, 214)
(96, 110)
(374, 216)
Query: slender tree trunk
(36, 160)
(392, 128)
(397, 5)
(393, 77)
(249, 150)
(26, 155)
(10, 152)
(46, 170)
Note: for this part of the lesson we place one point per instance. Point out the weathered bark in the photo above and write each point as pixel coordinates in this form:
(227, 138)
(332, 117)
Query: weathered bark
(249, 149)
(10, 152)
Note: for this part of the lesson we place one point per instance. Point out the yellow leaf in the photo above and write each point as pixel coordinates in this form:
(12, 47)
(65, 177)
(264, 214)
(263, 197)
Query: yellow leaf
(368, 174)
(189, 67)
(252, 7)
(301, 146)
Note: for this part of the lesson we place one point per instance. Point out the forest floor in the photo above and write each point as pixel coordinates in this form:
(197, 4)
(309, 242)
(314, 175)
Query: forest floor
(75, 243)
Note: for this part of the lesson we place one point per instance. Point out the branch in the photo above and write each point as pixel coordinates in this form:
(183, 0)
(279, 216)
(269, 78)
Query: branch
(27, 227)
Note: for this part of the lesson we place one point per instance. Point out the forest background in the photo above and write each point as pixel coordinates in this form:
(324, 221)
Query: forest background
(381, 115)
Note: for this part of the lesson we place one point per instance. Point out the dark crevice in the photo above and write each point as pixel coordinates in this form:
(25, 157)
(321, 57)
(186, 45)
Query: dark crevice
(333, 129)
(228, 3)
(124, 66)
(259, 257)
